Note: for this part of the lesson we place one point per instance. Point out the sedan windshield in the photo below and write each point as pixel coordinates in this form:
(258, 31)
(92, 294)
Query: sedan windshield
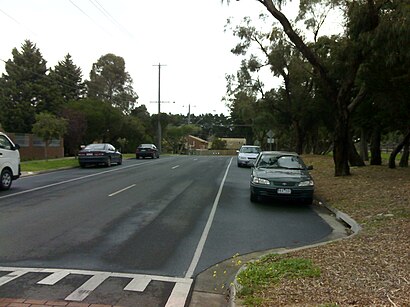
(95, 147)
(250, 150)
(285, 161)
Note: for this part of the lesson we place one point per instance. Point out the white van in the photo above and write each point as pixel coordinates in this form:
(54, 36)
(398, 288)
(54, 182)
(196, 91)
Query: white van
(9, 162)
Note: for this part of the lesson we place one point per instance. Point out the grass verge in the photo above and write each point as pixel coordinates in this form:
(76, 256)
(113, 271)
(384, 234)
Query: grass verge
(271, 269)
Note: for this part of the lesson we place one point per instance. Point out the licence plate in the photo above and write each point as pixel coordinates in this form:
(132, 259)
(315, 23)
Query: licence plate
(89, 154)
(284, 191)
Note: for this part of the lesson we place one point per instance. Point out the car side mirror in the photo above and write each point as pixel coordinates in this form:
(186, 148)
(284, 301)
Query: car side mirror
(16, 147)
(310, 167)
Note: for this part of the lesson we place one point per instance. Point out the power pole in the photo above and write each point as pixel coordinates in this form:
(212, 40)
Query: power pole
(159, 107)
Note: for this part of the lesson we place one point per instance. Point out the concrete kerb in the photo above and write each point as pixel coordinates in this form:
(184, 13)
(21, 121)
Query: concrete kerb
(341, 216)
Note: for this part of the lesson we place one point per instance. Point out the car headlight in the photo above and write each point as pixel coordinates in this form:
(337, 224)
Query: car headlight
(307, 183)
(241, 157)
(258, 180)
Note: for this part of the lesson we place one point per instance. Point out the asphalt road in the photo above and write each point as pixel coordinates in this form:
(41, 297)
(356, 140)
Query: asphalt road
(152, 222)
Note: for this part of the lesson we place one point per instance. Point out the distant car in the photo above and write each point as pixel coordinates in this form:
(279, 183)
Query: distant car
(283, 176)
(99, 154)
(247, 155)
(146, 150)
(9, 162)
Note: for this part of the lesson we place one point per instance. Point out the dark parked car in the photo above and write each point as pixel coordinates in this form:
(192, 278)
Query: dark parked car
(99, 154)
(146, 150)
(283, 176)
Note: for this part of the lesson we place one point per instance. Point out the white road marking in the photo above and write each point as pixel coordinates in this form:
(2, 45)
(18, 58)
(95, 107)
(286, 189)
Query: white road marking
(53, 278)
(90, 285)
(13, 275)
(176, 166)
(122, 190)
(71, 180)
(138, 282)
(201, 243)
(178, 295)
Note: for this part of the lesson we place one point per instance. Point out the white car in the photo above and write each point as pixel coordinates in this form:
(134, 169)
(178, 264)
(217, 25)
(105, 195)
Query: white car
(247, 155)
(9, 162)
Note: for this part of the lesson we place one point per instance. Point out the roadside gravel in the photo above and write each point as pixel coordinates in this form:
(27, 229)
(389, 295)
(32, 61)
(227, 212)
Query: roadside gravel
(369, 269)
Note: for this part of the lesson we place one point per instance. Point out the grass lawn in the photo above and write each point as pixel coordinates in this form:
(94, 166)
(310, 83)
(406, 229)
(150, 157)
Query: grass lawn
(51, 164)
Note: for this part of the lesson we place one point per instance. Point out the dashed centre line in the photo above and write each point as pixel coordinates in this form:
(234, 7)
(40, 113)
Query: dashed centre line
(122, 190)
(176, 166)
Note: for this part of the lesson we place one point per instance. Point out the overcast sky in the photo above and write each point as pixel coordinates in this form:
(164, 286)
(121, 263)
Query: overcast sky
(186, 36)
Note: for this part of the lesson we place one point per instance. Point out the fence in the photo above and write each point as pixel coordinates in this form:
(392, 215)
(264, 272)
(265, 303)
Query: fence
(33, 147)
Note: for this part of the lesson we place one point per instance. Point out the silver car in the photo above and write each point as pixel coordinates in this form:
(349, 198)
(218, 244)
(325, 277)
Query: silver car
(247, 155)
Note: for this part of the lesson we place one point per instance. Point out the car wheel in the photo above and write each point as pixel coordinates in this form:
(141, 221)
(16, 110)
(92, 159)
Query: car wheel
(6, 179)
(254, 198)
(239, 165)
(120, 161)
(82, 165)
(108, 163)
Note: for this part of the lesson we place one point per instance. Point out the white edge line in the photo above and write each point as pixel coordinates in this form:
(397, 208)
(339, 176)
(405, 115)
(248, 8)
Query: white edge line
(70, 180)
(176, 166)
(122, 190)
(207, 228)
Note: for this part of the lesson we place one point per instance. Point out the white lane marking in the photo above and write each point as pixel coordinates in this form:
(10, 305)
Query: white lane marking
(138, 284)
(70, 180)
(122, 190)
(13, 275)
(201, 243)
(53, 278)
(178, 295)
(90, 285)
(176, 166)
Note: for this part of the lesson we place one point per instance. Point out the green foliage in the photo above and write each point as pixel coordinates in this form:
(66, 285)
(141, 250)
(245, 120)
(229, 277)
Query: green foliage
(67, 79)
(24, 87)
(218, 144)
(272, 269)
(176, 136)
(48, 127)
(110, 82)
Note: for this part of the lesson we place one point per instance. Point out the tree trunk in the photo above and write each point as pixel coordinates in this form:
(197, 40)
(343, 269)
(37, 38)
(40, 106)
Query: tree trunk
(300, 137)
(392, 159)
(375, 152)
(354, 158)
(364, 151)
(341, 145)
(404, 161)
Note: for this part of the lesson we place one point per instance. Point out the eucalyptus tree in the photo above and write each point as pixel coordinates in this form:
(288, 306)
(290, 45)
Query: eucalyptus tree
(110, 82)
(344, 93)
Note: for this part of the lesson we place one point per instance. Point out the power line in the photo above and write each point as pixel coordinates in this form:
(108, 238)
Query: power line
(17, 22)
(89, 17)
(107, 14)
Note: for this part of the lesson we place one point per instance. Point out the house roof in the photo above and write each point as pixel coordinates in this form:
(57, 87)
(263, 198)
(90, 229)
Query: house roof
(198, 139)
